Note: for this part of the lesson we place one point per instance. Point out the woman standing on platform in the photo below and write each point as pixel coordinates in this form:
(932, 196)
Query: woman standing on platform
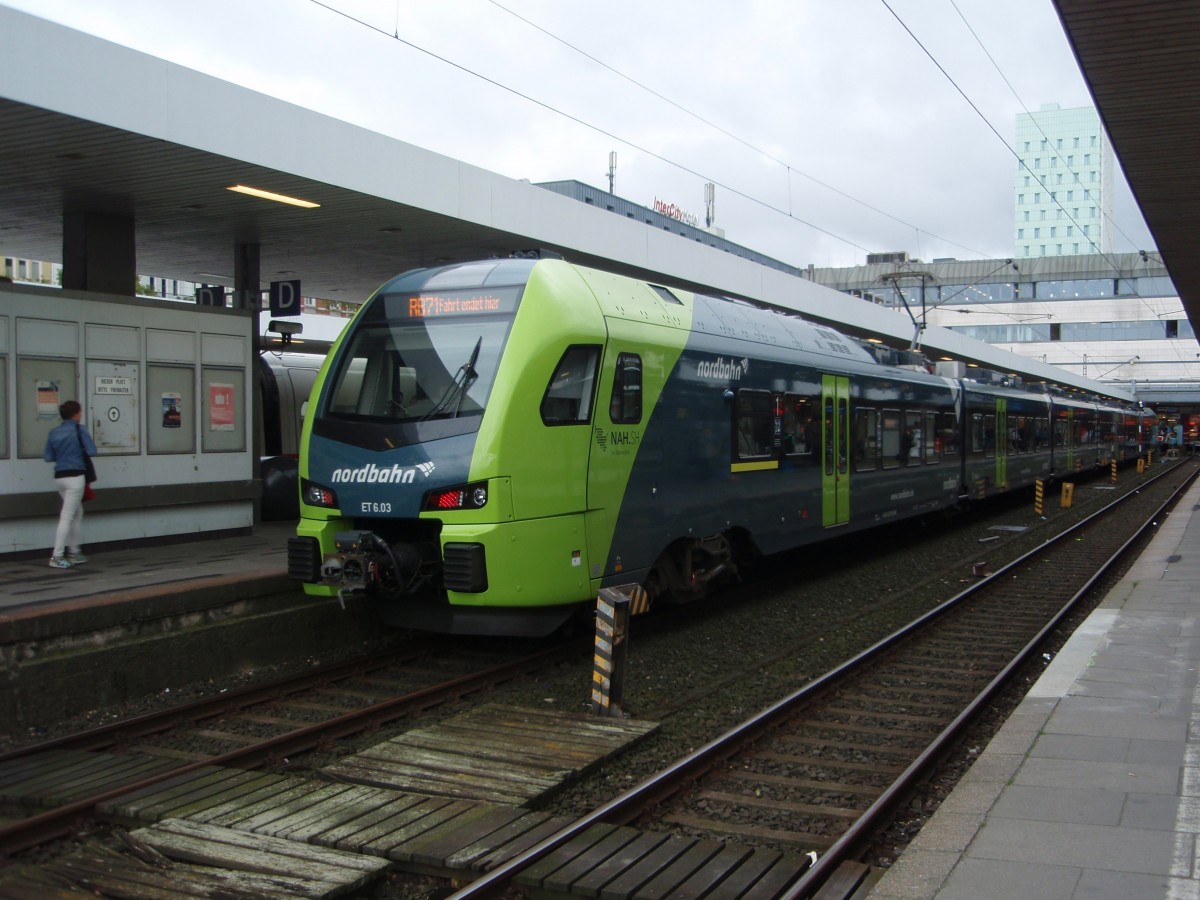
(69, 447)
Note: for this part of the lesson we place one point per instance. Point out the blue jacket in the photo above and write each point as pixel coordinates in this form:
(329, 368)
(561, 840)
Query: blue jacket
(62, 448)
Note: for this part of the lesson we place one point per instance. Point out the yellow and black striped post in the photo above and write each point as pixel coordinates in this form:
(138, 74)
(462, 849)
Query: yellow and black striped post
(1039, 496)
(1114, 471)
(612, 650)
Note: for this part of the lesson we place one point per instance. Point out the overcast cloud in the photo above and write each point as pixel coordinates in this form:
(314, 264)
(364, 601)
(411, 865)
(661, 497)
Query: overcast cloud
(787, 105)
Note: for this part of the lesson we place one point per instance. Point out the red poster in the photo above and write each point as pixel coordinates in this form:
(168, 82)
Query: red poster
(220, 407)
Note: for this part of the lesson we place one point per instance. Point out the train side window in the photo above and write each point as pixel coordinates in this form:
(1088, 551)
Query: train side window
(911, 440)
(890, 438)
(1015, 439)
(1060, 430)
(989, 436)
(977, 436)
(801, 430)
(930, 434)
(753, 425)
(625, 407)
(568, 396)
(1035, 436)
(1087, 429)
(866, 439)
(949, 435)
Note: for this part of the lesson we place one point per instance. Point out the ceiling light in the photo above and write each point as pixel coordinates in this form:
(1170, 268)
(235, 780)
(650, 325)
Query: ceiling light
(268, 195)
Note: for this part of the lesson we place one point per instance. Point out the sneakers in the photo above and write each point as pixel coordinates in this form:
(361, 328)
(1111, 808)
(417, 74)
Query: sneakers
(59, 562)
(76, 559)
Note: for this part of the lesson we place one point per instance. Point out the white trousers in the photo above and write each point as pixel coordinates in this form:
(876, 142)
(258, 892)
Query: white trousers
(70, 518)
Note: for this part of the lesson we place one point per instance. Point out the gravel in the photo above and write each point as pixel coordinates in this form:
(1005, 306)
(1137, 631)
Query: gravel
(703, 669)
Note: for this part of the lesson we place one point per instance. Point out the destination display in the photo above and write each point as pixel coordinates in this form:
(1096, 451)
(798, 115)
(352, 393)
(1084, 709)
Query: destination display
(452, 304)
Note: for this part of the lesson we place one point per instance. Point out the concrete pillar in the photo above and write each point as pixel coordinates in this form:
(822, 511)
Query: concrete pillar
(246, 296)
(99, 253)
(246, 278)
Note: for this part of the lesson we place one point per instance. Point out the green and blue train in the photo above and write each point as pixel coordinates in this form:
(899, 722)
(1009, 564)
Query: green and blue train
(488, 444)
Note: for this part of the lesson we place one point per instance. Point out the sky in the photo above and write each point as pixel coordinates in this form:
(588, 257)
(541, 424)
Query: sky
(830, 128)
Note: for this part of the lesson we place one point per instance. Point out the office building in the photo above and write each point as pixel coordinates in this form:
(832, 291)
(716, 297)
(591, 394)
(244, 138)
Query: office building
(1064, 194)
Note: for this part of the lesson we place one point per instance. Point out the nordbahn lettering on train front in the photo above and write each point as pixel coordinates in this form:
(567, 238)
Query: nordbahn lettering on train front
(373, 474)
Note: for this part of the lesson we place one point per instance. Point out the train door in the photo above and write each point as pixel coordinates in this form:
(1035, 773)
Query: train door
(1003, 437)
(835, 443)
(1064, 438)
(615, 441)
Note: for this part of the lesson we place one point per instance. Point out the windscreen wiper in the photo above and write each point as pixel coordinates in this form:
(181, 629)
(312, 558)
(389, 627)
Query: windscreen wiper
(463, 379)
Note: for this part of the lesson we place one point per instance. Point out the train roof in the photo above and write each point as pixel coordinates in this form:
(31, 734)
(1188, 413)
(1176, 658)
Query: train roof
(725, 317)
(720, 316)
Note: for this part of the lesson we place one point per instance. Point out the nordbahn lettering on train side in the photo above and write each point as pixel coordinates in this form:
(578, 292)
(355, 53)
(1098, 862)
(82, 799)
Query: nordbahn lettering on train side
(720, 369)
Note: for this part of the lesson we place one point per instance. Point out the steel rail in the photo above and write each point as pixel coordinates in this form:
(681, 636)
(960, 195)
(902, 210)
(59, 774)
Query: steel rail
(626, 807)
(62, 820)
(207, 707)
(824, 867)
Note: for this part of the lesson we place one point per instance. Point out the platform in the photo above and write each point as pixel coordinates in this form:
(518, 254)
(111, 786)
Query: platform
(1092, 787)
(30, 588)
(96, 636)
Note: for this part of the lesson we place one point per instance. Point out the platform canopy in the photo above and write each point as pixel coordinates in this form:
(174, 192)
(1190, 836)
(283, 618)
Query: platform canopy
(1138, 59)
(90, 128)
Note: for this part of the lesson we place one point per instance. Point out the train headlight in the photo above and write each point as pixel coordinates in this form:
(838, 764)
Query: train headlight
(465, 496)
(317, 494)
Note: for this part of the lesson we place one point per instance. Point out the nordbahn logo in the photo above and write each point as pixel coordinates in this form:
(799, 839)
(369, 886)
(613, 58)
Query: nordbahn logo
(373, 474)
(722, 370)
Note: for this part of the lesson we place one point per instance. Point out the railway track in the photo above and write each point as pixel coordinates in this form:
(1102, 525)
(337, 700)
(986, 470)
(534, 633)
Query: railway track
(259, 725)
(818, 771)
(861, 746)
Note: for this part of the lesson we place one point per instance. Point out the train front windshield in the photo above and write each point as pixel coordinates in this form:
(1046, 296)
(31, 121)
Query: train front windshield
(424, 358)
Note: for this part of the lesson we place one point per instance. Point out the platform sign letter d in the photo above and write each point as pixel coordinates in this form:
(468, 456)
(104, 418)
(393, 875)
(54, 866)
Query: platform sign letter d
(285, 298)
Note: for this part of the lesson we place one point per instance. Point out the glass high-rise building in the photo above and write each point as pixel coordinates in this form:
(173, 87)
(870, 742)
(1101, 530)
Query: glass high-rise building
(1064, 184)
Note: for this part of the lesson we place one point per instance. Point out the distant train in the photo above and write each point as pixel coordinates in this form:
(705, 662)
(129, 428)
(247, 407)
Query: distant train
(285, 380)
(489, 444)
(287, 371)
